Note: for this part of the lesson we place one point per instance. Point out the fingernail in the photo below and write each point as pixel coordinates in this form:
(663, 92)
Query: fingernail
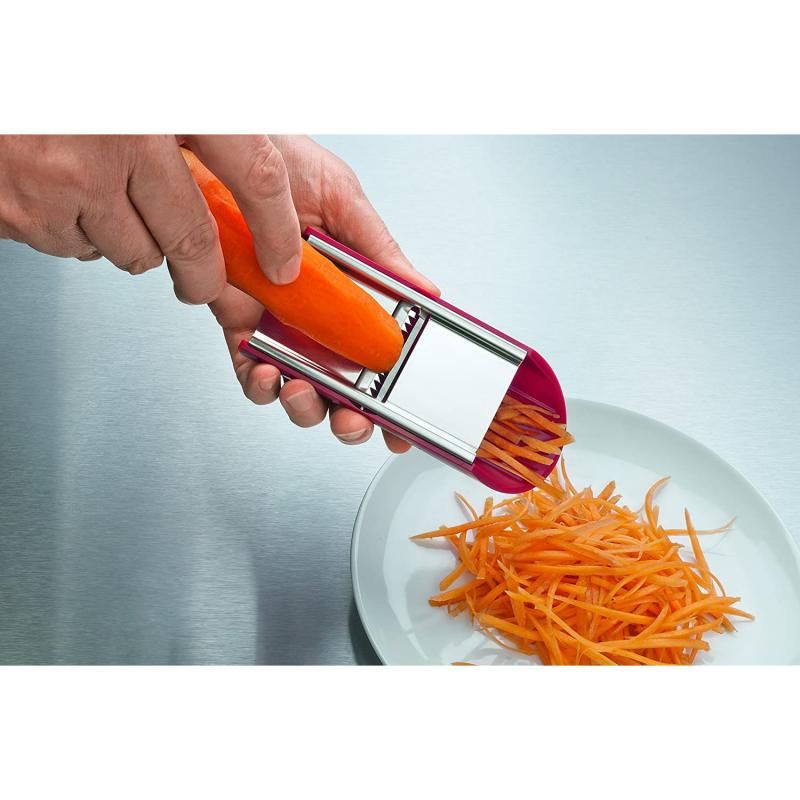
(354, 436)
(301, 402)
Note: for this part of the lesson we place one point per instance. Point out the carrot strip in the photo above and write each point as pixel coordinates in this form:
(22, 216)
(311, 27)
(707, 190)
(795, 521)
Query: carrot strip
(458, 593)
(453, 576)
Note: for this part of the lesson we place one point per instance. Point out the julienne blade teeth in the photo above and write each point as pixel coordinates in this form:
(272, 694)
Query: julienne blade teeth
(375, 386)
(409, 324)
(406, 317)
(412, 316)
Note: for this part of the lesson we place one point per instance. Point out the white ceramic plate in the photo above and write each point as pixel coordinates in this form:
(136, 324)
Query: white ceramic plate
(393, 576)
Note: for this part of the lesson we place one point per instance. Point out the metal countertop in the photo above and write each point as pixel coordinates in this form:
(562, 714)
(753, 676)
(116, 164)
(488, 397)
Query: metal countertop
(150, 514)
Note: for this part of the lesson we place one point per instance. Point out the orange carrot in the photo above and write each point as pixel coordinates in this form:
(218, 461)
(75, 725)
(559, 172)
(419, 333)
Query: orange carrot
(574, 577)
(323, 302)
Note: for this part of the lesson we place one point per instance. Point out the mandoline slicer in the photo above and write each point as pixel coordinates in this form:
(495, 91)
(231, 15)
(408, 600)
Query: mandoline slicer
(444, 390)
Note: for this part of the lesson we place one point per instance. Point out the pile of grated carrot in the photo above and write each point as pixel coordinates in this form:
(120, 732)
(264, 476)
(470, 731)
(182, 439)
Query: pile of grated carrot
(575, 577)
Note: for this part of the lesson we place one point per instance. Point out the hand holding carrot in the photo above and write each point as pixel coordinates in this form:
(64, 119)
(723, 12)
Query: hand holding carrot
(327, 195)
(133, 200)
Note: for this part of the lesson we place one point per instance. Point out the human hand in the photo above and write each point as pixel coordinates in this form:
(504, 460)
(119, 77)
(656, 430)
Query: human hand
(326, 195)
(133, 200)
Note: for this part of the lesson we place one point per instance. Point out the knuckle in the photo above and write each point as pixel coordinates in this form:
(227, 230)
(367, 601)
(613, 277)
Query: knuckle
(63, 240)
(7, 211)
(145, 145)
(90, 255)
(59, 248)
(342, 181)
(56, 229)
(141, 264)
(196, 244)
(15, 223)
(266, 177)
(60, 159)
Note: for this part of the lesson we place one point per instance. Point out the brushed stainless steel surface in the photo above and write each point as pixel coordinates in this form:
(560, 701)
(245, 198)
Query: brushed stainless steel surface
(150, 514)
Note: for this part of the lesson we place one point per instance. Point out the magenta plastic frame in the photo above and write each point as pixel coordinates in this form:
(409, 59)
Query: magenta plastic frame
(534, 381)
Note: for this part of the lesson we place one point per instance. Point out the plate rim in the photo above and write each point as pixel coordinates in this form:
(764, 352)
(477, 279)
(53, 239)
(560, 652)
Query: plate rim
(370, 490)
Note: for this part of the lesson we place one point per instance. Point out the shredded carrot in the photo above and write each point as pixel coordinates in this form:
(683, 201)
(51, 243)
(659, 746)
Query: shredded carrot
(521, 435)
(575, 577)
